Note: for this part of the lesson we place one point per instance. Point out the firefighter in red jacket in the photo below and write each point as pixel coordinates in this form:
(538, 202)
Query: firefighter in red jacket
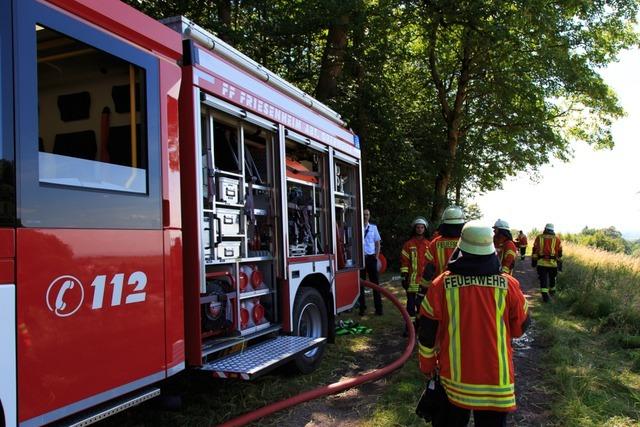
(546, 256)
(413, 259)
(522, 243)
(505, 248)
(442, 246)
(466, 323)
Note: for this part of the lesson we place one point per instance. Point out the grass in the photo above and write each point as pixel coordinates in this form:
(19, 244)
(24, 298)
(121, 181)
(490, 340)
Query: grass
(593, 361)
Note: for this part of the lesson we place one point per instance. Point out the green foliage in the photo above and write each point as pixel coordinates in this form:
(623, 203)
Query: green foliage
(630, 341)
(608, 239)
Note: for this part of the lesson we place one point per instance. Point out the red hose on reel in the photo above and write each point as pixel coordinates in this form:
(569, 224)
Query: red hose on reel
(342, 385)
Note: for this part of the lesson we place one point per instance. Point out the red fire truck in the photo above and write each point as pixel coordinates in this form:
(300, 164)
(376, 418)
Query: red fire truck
(166, 202)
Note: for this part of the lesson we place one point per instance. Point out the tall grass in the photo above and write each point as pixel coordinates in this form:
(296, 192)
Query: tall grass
(602, 285)
(593, 358)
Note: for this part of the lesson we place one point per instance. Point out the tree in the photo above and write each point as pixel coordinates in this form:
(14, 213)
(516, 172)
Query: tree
(515, 82)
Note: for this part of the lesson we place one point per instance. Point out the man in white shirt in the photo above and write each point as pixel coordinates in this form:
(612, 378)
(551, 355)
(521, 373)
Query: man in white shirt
(371, 251)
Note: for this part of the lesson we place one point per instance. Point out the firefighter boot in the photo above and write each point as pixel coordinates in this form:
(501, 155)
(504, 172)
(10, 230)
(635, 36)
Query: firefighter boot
(545, 297)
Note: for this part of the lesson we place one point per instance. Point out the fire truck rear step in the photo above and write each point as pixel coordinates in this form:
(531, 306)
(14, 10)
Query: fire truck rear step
(262, 358)
(109, 408)
(224, 343)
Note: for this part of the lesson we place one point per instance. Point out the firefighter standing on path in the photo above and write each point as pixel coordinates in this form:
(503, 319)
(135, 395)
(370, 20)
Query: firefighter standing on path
(505, 248)
(546, 257)
(442, 246)
(521, 241)
(413, 259)
(467, 320)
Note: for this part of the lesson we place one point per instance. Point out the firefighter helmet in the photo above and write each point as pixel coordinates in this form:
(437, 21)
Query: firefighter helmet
(453, 215)
(419, 220)
(476, 239)
(549, 227)
(502, 224)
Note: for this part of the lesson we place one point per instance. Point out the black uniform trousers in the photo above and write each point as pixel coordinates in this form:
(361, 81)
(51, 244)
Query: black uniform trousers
(547, 276)
(370, 269)
(455, 416)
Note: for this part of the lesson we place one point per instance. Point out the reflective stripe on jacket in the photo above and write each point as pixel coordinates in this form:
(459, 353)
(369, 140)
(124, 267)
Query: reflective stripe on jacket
(507, 255)
(547, 250)
(522, 241)
(477, 316)
(441, 249)
(413, 258)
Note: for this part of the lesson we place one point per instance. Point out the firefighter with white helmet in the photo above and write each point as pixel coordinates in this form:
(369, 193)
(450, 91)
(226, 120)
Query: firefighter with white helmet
(505, 247)
(413, 259)
(442, 246)
(467, 320)
(546, 257)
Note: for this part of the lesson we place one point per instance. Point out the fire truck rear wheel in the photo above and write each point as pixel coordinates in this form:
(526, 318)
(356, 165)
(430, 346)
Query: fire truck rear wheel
(310, 319)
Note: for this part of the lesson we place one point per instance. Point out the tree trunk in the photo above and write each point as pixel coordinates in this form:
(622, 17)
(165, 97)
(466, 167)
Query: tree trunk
(224, 16)
(333, 59)
(453, 115)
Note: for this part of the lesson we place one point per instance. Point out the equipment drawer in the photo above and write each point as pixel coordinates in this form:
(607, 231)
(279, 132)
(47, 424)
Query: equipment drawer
(229, 222)
(228, 190)
(228, 250)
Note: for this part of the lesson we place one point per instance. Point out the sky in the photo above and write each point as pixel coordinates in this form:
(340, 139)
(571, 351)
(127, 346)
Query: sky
(596, 188)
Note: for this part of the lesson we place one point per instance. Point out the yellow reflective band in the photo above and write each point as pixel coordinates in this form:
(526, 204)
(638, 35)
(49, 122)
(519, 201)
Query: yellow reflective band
(510, 252)
(428, 256)
(544, 290)
(404, 269)
(426, 351)
(501, 337)
(478, 388)
(525, 307)
(414, 266)
(441, 260)
(453, 307)
(506, 269)
(553, 246)
(426, 306)
(488, 401)
(404, 253)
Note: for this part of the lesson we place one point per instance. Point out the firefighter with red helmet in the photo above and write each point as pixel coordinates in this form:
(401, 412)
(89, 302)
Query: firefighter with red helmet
(413, 259)
(521, 242)
(546, 257)
(442, 246)
(467, 320)
(505, 247)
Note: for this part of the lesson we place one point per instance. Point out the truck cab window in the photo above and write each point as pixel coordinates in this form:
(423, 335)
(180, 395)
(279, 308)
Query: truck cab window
(92, 124)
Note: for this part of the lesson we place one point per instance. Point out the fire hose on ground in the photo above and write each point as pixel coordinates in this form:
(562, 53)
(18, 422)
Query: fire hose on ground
(344, 384)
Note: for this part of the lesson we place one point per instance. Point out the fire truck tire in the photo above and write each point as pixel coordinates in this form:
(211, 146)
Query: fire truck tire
(310, 319)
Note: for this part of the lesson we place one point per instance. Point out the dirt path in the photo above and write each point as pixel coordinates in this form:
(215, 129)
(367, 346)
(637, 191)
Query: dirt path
(352, 407)
(533, 402)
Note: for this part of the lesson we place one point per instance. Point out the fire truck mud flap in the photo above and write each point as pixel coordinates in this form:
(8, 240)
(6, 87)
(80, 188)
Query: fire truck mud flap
(263, 357)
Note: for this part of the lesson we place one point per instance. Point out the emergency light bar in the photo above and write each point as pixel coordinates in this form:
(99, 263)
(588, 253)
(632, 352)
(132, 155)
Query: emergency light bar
(195, 32)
